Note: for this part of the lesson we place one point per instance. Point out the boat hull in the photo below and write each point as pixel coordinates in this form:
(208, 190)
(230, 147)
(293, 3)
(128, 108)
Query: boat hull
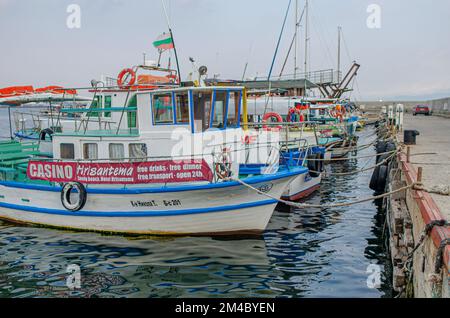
(210, 209)
(301, 187)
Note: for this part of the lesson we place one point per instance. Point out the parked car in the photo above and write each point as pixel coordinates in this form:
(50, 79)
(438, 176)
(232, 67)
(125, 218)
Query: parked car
(421, 110)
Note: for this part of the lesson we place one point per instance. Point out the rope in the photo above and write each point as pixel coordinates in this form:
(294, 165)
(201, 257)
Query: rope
(305, 205)
(362, 147)
(351, 158)
(440, 255)
(356, 171)
(407, 267)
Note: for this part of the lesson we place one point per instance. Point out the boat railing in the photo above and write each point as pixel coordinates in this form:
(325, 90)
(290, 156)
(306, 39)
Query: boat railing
(197, 156)
(326, 76)
(287, 128)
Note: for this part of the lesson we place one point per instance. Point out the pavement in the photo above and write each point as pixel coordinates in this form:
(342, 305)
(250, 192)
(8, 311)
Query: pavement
(434, 138)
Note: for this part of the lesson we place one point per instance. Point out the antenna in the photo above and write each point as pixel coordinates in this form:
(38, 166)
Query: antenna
(279, 40)
(173, 41)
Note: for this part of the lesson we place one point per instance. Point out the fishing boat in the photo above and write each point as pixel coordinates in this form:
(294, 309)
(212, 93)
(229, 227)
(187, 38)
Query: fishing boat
(173, 169)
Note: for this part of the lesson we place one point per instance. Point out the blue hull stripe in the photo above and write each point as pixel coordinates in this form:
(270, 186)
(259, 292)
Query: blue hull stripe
(251, 180)
(138, 213)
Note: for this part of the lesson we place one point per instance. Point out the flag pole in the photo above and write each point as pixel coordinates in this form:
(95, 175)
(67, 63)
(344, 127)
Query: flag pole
(173, 41)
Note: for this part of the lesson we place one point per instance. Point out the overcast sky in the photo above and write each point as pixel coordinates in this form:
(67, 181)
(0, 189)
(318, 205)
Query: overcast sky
(408, 57)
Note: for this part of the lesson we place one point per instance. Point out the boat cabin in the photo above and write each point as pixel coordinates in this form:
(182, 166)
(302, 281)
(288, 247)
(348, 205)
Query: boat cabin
(153, 122)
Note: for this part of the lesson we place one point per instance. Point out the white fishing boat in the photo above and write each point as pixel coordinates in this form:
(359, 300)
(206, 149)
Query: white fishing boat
(174, 171)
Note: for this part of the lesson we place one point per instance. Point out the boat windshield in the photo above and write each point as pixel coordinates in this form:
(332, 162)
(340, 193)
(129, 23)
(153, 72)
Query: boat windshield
(202, 110)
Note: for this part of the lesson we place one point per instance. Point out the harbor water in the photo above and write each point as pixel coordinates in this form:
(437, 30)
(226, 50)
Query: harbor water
(324, 252)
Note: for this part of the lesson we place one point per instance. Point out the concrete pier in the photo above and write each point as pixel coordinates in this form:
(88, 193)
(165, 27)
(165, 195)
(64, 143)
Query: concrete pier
(434, 140)
(417, 216)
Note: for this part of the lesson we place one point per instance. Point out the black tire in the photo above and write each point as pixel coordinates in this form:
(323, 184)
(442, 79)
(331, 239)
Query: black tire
(65, 196)
(382, 178)
(312, 166)
(382, 158)
(381, 146)
(373, 185)
(319, 165)
(390, 146)
(45, 132)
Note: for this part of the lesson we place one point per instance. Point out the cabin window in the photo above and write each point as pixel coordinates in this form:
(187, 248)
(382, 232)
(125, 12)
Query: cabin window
(108, 103)
(90, 151)
(162, 107)
(220, 101)
(234, 103)
(67, 151)
(96, 104)
(116, 151)
(131, 116)
(182, 108)
(202, 110)
(137, 151)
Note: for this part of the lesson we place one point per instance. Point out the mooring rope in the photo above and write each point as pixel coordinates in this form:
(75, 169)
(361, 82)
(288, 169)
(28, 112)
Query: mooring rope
(335, 205)
(352, 158)
(356, 171)
(362, 147)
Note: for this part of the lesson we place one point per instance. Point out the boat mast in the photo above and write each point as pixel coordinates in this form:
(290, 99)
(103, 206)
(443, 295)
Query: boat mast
(296, 39)
(306, 45)
(339, 55)
(173, 41)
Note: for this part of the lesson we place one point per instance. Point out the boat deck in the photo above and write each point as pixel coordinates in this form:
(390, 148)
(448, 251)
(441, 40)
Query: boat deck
(14, 157)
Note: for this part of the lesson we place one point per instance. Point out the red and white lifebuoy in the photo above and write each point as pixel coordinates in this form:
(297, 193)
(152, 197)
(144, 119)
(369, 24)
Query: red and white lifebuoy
(272, 115)
(338, 113)
(173, 78)
(124, 75)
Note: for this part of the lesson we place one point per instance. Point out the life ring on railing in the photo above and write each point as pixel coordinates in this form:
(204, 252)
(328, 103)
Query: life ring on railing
(44, 132)
(173, 78)
(66, 196)
(337, 113)
(123, 76)
(272, 115)
(223, 164)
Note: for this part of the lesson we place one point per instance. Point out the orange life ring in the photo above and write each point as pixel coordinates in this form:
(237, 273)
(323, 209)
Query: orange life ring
(123, 76)
(271, 115)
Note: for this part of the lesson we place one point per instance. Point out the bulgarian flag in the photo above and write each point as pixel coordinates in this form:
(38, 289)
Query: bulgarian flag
(164, 42)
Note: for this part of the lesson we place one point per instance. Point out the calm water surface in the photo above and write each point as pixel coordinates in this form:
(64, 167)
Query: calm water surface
(303, 253)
